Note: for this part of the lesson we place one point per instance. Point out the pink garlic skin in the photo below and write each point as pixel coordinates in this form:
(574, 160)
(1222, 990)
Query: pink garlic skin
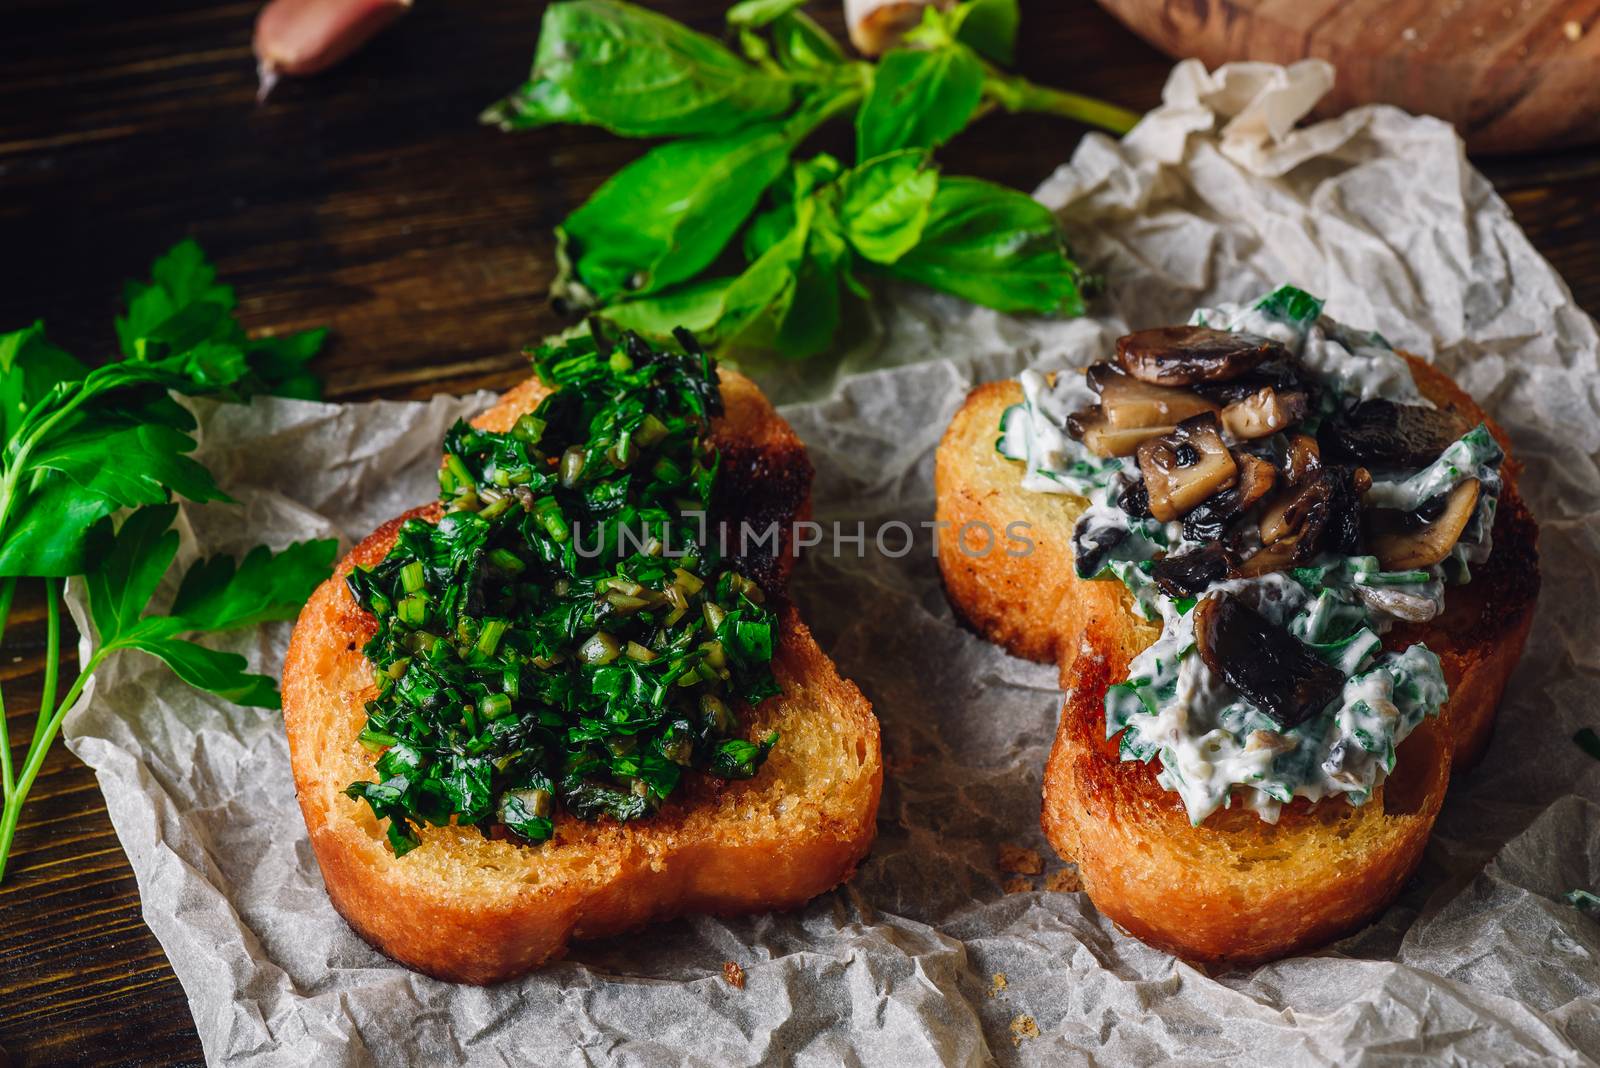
(296, 37)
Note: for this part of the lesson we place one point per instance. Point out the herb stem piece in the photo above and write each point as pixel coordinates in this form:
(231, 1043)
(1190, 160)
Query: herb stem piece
(52, 655)
(8, 590)
(49, 726)
(1017, 94)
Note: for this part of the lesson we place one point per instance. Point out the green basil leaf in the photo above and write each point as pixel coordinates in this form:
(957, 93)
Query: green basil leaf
(989, 27)
(757, 13)
(29, 366)
(665, 217)
(799, 44)
(264, 587)
(696, 306)
(787, 299)
(638, 74)
(220, 673)
(759, 298)
(996, 247)
(918, 100)
(797, 184)
(884, 203)
(812, 317)
(121, 583)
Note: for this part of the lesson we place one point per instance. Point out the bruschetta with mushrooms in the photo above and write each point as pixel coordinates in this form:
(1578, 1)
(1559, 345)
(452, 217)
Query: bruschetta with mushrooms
(1285, 572)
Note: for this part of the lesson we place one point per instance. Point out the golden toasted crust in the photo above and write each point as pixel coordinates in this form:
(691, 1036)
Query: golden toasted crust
(1234, 890)
(466, 908)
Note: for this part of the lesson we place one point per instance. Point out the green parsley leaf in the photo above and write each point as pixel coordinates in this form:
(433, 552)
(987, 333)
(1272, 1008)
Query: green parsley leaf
(214, 596)
(29, 367)
(140, 464)
(264, 588)
(184, 311)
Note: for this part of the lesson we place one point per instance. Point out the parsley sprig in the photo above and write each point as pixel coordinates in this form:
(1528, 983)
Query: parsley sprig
(725, 231)
(87, 447)
(564, 634)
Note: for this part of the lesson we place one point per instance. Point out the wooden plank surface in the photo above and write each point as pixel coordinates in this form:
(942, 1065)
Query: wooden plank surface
(368, 200)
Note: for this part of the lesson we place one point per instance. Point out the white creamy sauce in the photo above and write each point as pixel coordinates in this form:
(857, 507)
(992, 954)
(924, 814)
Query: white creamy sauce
(1036, 433)
(1214, 746)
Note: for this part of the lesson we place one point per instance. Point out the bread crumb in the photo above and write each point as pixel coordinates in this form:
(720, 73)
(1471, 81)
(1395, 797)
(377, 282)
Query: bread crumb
(1063, 881)
(1019, 860)
(1573, 29)
(999, 984)
(1022, 1027)
(733, 974)
(1017, 884)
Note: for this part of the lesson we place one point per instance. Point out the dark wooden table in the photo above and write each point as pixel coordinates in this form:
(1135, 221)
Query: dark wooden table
(369, 200)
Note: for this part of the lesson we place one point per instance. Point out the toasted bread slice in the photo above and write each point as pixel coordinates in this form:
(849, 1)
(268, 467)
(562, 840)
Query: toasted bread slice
(466, 908)
(1234, 890)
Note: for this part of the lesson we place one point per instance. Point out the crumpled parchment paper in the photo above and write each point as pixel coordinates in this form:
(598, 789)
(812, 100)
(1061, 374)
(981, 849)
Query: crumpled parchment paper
(924, 957)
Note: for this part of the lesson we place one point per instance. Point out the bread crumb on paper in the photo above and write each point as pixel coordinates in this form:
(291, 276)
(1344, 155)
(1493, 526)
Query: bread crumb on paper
(1017, 884)
(1022, 1027)
(999, 985)
(1063, 881)
(1019, 860)
(733, 974)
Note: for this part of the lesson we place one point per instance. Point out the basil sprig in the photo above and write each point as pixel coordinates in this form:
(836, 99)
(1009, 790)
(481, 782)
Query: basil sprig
(85, 447)
(564, 634)
(659, 244)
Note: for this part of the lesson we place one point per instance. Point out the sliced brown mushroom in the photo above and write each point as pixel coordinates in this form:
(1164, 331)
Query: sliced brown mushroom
(1384, 433)
(1135, 500)
(1129, 402)
(1210, 519)
(1193, 572)
(1091, 427)
(1264, 412)
(1403, 541)
(1270, 667)
(1284, 375)
(1092, 543)
(1304, 458)
(1183, 468)
(1320, 513)
(1185, 355)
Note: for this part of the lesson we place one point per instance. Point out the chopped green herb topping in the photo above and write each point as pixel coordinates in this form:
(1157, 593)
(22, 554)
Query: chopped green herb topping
(562, 634)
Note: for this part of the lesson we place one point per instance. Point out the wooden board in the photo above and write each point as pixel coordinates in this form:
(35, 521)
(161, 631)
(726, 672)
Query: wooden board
(1512, 75)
